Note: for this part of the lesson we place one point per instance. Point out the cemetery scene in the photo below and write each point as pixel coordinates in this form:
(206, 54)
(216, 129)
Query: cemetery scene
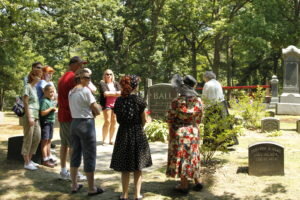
(149, 100)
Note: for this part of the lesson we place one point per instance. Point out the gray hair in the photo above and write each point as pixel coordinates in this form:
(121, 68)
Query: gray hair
(209, 75)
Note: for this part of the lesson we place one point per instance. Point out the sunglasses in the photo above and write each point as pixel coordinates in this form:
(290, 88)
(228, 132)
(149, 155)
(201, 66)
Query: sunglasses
(86, 77)
(38, 67)
(108, 74)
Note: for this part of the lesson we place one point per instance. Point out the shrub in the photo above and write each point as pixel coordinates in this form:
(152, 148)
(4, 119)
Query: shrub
(250, 108)
(274, 134)
(218, 132)
(157, 130)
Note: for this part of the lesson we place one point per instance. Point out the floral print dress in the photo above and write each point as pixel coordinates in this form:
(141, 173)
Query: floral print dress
(184, 118)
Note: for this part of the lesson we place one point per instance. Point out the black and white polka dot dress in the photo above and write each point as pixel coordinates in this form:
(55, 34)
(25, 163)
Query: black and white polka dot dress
(131, 150)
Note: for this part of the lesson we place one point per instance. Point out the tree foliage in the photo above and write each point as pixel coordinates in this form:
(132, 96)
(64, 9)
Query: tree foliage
(240, 40)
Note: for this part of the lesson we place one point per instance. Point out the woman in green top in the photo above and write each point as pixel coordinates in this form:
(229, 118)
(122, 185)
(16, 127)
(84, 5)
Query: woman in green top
(31, 126)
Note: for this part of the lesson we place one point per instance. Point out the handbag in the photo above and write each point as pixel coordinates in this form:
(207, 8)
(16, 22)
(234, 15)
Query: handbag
(18, 107)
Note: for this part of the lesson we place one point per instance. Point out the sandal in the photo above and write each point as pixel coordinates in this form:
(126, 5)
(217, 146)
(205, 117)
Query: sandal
(198, 187)
(139, 198)
(98, 191)
(78, 188)
(121, 198)
(181, 190)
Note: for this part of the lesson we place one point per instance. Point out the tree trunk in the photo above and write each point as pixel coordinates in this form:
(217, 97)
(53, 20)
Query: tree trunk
(216, 62)
(1, 99)
(194, 56)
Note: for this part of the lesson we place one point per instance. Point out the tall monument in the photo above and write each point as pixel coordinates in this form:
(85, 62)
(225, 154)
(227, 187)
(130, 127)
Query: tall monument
(289, 103)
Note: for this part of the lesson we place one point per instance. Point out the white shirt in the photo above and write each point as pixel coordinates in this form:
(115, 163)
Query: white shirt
(80, 100)
(213, 91)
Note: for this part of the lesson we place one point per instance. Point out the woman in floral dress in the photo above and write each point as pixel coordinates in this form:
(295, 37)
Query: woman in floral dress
(184, 118)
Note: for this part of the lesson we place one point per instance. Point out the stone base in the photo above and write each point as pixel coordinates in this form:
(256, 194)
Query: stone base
(288, 109)
(274, 102)
(292, 98)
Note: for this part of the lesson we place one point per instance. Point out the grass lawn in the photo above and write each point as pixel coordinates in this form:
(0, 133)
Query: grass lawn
(221, 181)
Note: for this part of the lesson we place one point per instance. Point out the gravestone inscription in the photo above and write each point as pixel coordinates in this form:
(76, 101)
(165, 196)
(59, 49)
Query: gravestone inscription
(266, 159)
(160, 97)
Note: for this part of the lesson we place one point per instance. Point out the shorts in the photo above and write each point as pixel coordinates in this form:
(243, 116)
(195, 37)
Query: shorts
(83, 140)
(47, 130)
(65, 133)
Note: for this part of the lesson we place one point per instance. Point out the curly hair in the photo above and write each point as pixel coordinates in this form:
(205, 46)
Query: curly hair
(125, 85)
(34, 73)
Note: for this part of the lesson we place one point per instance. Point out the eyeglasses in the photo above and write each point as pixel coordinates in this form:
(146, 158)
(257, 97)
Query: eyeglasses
(86, 77)
(108, 74)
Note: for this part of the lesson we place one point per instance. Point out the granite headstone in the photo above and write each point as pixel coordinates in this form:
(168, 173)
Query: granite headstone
(160, 97)
(269, 124)
(266, 159)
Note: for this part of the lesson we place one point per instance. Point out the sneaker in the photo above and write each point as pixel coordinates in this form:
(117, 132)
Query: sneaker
(53, 158)
(34, 163)
(81, 177)
(30, 166)
(65, 176)
(48, 163)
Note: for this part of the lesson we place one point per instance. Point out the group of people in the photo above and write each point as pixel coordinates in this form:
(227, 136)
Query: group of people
(119, 102)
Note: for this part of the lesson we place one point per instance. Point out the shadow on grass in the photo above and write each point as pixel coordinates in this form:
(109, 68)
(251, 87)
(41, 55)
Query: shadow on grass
(275, 188)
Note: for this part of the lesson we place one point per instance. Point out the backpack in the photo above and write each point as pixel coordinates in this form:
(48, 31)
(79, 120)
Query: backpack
(18, 107)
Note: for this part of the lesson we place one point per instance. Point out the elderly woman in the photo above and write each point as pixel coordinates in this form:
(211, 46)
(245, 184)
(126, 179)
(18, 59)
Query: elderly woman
(83, 109)
(31, 127)
(109, 91)
(184, 118)
(131, 151)
(215, 103)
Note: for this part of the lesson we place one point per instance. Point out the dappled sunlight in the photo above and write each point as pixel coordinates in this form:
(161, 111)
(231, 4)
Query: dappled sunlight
(15, 180)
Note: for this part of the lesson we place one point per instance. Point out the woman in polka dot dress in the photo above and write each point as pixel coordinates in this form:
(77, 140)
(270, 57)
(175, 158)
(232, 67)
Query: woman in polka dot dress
(131, 151)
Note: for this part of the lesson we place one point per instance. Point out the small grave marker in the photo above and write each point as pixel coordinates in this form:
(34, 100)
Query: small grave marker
(266, 159)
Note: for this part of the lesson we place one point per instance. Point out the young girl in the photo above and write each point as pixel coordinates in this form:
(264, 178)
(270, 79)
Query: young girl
(47, 112)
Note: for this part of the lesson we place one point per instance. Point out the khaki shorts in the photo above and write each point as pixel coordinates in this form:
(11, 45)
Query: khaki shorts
(32, 137)
(65, 133)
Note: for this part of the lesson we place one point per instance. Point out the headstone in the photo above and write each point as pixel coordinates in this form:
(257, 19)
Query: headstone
(269, 124)
(266, 159)
(298, 126)
(160, 97)
(290, 98)
(15, 147)
(274, 92)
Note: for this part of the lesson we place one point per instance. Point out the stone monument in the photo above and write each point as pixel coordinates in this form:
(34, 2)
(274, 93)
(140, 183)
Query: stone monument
(160, 97)
(266, 159)
(274, 92)
(289, 102)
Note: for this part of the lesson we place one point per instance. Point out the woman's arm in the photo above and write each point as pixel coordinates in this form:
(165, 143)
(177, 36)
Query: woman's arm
(27, 111)
(144, 118)
(112, 93)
